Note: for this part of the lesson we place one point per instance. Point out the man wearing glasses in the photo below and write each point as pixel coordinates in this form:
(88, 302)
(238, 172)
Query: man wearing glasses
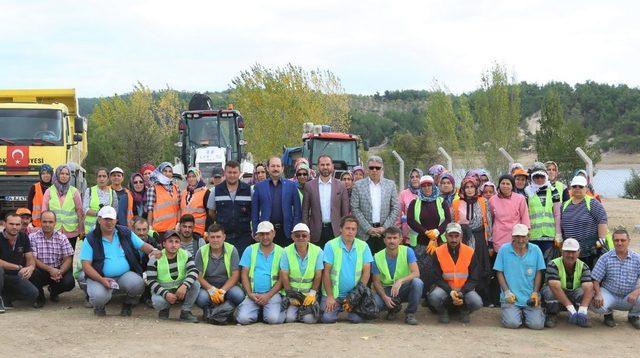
(585, 220)
(374, 202)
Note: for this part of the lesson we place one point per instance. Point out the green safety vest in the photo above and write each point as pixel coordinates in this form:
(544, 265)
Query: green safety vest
(587, 203)
(543, 224)
(275, 265)
(164, 277)
(205, 254)
(417, 209)
(402, 266)
(334, 245)
(66, 216)
(559, 187)
(299, 281)
(94, 204)
(577, 274)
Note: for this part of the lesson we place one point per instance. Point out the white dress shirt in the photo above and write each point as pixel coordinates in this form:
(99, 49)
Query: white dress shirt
(324, 189)
(376, 200)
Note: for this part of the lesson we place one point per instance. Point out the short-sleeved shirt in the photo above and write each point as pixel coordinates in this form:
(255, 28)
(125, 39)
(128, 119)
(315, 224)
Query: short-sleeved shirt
(194, 245)
(262, 271)
(391, 263)
(519, 271)
(15, 254)
(618, 276)
(115, 263)
(51, 251)
(216, 273)
(553, 275)
(348, 269)
(302, 262)
(581, 224)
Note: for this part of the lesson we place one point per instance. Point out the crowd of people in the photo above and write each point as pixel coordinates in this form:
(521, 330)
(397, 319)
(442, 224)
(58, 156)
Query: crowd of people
(307, 248)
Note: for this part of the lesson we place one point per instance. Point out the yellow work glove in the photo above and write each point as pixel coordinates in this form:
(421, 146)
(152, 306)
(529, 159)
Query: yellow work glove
(509, 297)
(310, 298)
(346, 306)
(456, 297)
(432, 234)
(535, 298)
(431, 247)
(557, 242)
(294, 302)
(212, 294)
(218, 297)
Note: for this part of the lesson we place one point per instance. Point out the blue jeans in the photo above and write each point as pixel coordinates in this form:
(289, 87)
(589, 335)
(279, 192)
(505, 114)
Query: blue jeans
(512, 316)
(248, 310)
(160, 303)
(410, 292)
(14, 287)
(130, 284)
(292, 315)
(332, 317)
(438, 298)
(619, 303)
(235, 295)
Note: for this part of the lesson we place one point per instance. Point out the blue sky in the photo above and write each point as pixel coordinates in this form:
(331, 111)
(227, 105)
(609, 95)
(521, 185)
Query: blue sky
(105, 47)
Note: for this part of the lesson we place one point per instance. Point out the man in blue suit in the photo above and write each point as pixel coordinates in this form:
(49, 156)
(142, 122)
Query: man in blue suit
(276, 200)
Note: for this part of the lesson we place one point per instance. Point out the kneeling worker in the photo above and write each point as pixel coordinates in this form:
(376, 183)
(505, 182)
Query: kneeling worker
(301, 270)
(396, 277)
(456, 275)
(173, 278)
(568, 283)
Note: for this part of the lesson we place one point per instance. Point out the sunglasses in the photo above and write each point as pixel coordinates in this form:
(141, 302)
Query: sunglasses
(302, 175)
(297, 236)
(375, 168)
(577, 186)
(138, 182)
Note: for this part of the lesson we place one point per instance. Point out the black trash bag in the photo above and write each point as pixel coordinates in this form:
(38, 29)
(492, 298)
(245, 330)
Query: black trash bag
(362, 302)
(220, 314)
(313, 309)
(398, 307)
(551, 253)
(290, 297)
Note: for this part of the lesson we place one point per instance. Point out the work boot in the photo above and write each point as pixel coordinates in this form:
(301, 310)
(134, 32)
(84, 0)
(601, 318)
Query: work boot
(551, 320)
(609, 321)
(443, 317)
(126, 310)
(187, 316)
(100, 312)
(410, 319)
(2, 309)
(635, 321)
(464, 316)
(163, 314)
(54, 297)
(39, 303)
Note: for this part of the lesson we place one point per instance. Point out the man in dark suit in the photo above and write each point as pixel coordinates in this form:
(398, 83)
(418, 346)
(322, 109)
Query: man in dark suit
(325, 202)
(276, 200)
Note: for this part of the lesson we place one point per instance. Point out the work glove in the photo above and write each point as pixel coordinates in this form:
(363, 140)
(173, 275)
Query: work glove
(346, 306)
(557, 242)
(212, 294)
(509, 297)
(601, 243)
(218, 296)
(534, 300)
(431, 247)
(456, 297)
(573, 318)
(310, 298)
(582, 319)
(432, 235)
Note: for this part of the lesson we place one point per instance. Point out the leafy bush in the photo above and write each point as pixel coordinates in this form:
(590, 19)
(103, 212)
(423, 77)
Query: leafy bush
(632, 186)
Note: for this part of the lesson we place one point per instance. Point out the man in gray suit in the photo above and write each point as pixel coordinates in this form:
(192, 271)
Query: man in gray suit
(374, 202)
(324, 203)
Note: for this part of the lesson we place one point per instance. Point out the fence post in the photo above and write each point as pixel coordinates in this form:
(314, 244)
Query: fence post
(585, 158)
(447, 157)
(401, 174)
(506, 155)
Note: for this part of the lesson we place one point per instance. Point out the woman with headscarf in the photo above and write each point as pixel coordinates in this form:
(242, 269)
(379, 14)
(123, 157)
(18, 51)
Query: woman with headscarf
(36, 193)
(139, 195)
(544, 204)
(146, 171)
(163, 200)
(65, 201)
(521, 180)
(507, 209)
(427, 216)
(553, 171)
(436, 172)
(447, 188)
(472, 212)
(194, 200)
(358, 173)
(347, 179)
(406, 197)
(487, 190)
(96, 197)
(302, 175)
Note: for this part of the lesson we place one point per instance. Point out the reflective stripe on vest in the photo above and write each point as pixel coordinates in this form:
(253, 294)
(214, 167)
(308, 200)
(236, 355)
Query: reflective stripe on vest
(543, 224)
(417, 209)
(577, 274)
(275, 265)
(66, 215)
(166, 208)
(455, 274)
(402, 266)
(196, 208)
(334, 245)
(36, 204)
(164, 276)
(94, 204)
(302, 282)
(483, 208)
(205, 252)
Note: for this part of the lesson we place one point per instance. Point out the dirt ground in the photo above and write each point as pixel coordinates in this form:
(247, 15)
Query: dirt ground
(69, 329)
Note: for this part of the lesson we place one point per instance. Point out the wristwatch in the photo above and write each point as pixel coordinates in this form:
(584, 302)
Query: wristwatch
(20, 267)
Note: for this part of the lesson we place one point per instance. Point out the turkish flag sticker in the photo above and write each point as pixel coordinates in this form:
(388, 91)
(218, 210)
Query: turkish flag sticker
(18, 157)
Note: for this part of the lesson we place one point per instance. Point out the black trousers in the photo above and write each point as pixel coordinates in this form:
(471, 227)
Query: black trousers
(281, 239)
(14, 287)
(326, 235)
(41, 278)
(241, 242)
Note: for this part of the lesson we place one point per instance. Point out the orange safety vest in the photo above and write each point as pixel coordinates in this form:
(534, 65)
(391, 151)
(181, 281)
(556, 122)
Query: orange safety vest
(166, 208)
(483, 207)
(196, 208)
(129, 206)
(455, 274)
(37, 205)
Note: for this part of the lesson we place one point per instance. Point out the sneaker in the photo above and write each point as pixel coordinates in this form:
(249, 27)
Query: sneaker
(39, 303)
(100, 312)
(2, 309)
(163, 314)
(551, 320)
(464, 316)
(126, 310)
(410, 319)
(54, 297)
(443, 317)
(391, 316)
(635, 322)
(187, 316)
(609, 321)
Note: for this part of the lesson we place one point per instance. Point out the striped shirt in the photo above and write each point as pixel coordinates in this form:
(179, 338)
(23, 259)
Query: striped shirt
(152, 275)
(52, 251)
(618, 276)
(553, 275)
(581, 224)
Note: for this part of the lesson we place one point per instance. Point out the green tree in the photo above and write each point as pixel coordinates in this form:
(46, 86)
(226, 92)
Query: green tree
(465, 128)
(276, 102)
(417, 151)
(441, 121)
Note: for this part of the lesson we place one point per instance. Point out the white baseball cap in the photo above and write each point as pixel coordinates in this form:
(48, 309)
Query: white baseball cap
(570, 245)
(301, 227)
(426, 179)
(116, 170)
(107, 212)
(265, 226)
(520, 230)
(454, 227)
(579, 180)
